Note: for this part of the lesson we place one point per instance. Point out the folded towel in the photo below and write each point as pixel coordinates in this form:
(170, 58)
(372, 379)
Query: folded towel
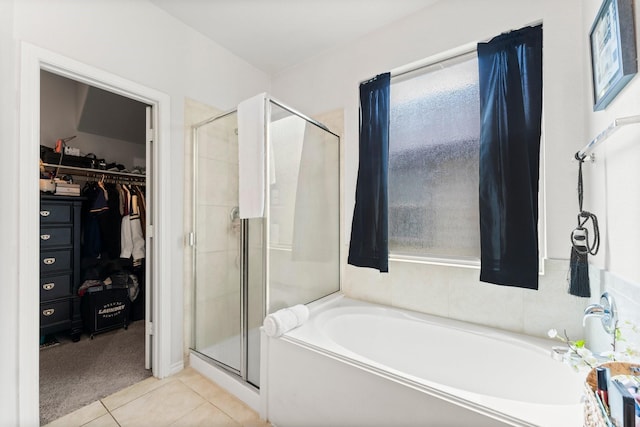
(251, 152)
(284, 320)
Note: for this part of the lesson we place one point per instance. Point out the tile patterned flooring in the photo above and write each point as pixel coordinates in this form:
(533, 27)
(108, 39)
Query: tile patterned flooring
(184, 399)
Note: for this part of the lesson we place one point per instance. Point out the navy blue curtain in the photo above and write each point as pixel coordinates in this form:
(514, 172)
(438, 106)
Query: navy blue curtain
(369, 246)
(510, 72)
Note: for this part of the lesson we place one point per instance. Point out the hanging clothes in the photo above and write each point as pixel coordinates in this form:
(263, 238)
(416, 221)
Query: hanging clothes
(142, 207)
(112, 224)
(132, 238)
(91, 235)
(95, 223)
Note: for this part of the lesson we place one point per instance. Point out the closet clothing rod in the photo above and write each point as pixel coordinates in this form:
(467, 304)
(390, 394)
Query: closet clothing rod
(602, 136)
(109, 179)
(124, 177)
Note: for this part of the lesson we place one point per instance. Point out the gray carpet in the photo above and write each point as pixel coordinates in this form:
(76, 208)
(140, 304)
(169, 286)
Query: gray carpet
(72, 375)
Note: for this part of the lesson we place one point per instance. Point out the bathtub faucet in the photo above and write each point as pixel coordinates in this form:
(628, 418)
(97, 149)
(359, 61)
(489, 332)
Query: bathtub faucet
(606, 311)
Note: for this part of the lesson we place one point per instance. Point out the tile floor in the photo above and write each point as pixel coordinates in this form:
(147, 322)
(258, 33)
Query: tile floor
(184, 399)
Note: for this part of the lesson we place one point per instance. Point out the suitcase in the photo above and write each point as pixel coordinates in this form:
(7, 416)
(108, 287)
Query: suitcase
(105, 308)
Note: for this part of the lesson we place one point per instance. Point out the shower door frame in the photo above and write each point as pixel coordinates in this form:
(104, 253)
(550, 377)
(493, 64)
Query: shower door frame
(244, 279)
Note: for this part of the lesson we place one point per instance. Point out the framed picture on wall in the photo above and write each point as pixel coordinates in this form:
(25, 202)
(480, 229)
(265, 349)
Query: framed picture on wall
(613, 50)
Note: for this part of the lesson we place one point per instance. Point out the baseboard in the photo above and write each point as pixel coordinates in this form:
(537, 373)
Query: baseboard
(176, 367)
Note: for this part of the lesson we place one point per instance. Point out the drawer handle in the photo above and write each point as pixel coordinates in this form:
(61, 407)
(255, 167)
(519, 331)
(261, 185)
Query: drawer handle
(49, 261)
(48, 286)
(45, 213)
(48, 311)
(45, 236)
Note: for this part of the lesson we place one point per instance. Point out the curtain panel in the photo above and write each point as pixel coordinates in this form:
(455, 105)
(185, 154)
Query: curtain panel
(369, 246)
(510, 77)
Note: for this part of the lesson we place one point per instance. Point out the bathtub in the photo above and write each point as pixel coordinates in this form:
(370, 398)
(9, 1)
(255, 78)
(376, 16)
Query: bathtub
(360, 364)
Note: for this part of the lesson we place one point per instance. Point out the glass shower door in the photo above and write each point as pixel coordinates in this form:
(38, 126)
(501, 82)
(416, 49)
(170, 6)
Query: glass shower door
(217, 296)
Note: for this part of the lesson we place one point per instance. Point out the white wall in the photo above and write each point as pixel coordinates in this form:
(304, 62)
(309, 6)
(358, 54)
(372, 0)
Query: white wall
(8, 219)
(331, 80)
(612, 185)
(612, 180)
(140, 43)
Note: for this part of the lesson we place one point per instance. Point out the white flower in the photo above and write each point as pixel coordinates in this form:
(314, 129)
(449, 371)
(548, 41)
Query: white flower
(552, 333)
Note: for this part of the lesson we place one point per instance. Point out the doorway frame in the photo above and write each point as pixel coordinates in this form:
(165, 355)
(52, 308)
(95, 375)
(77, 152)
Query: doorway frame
(34, 59)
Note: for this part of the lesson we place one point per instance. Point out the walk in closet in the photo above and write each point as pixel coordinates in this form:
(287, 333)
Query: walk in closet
(93, 257)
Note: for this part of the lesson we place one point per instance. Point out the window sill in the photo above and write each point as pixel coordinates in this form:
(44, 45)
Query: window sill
(449, 262)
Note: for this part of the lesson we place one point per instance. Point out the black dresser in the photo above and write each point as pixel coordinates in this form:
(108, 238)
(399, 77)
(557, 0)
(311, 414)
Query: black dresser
(60, 265)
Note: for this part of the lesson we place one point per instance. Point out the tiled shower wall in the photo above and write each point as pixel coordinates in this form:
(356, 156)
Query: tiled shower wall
(218, 259)
(217, 246)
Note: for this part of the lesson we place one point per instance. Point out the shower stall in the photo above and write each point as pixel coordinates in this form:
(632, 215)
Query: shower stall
(244, 269)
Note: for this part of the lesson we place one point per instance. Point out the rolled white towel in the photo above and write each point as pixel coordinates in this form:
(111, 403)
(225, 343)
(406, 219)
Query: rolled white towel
(302, 313)
(284, 320)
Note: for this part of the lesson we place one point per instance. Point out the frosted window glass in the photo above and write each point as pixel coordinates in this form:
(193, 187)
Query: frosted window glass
(434, 140)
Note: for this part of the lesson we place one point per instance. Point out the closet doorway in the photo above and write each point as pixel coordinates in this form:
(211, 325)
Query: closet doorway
(158, 307)
(93, 148)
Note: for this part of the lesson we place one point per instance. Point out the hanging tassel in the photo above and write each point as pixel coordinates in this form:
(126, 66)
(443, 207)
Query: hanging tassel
(578, 263)
(579, 273)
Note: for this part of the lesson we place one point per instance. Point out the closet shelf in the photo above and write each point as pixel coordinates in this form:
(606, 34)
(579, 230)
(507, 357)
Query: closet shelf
(602, 136)
(97, 173)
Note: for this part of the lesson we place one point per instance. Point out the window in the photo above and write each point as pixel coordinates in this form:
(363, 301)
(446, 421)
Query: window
(434, 139)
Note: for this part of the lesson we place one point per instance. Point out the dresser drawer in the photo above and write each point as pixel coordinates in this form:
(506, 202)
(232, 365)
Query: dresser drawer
(56, 213)
(52, 313)
(59, 260)
(56, 236)
(54, 287)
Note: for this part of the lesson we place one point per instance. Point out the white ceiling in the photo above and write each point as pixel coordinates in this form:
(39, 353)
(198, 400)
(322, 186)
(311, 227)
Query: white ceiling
(276, 34)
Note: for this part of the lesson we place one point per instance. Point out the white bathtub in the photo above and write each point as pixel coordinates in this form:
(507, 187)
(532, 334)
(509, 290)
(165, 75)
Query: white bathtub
(360, 364)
